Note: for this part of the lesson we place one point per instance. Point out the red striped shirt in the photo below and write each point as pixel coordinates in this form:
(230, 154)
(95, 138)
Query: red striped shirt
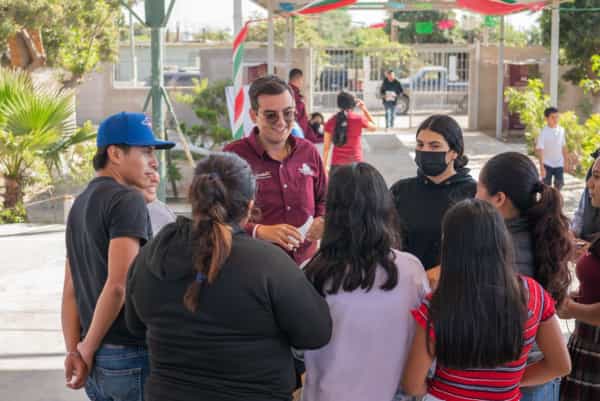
(497, 384)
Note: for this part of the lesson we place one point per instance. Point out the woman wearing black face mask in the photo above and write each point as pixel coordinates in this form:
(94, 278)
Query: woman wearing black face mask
(441, 181)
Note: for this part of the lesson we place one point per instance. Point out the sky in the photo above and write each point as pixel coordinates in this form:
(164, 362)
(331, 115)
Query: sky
(194, 15)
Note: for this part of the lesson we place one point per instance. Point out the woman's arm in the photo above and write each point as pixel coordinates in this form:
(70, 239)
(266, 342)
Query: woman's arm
(589, 314)
(414, 378)
(556, 362)
(360, 104)
(326, 150)
(433, 275)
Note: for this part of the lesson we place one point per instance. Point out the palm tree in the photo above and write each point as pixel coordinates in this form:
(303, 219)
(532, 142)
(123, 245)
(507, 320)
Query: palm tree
(36, 124)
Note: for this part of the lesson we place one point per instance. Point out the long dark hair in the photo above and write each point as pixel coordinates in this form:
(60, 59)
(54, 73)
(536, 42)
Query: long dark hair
(221, 191)
(447, 127)
(515, 175)
(360, 231)
(345, 102)
(478, 310)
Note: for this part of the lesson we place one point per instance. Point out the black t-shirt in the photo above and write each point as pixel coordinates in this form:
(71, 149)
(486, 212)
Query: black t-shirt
(104, 210)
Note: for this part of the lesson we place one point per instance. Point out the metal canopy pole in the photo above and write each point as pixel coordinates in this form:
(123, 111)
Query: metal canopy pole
(554, 49)
(155, 17)
(500, 87)
(134, 71)
(237, 17)
(271, 40)
(288, 44)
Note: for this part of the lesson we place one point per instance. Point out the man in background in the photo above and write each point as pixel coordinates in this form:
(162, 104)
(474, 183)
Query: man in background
(390, 91)
(296, 81)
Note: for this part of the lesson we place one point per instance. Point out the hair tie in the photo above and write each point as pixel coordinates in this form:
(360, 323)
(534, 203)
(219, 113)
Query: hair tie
(200, 277)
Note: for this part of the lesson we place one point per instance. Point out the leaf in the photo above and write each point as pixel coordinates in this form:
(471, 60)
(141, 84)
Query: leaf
(36, 125)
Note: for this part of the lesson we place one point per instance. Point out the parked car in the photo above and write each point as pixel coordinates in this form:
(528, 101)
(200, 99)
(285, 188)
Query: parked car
(178, 78)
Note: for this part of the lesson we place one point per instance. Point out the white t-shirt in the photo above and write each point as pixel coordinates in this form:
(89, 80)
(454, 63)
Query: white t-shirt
(552, 141)
(160, 215)
(390, 96)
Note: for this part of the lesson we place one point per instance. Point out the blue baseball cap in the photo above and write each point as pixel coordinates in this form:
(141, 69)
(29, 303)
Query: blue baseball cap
(133, 129)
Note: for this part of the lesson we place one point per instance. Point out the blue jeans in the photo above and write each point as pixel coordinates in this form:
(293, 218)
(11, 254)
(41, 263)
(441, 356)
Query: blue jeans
(390, 111)
(119, 374)
(557, 173)
(544, 392)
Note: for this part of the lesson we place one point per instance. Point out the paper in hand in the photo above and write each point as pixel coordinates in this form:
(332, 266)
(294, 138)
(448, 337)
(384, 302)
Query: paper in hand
(305, 227)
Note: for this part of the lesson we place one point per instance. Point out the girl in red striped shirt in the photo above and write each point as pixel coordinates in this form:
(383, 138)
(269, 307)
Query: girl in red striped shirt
(483, 318)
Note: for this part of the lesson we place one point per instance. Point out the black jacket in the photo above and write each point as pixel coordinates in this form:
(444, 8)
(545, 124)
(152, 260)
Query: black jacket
(421, 205)
(388, 85)
(237, 345)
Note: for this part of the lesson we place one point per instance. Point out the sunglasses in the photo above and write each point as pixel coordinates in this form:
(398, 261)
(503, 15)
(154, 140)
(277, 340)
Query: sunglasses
(272, 116)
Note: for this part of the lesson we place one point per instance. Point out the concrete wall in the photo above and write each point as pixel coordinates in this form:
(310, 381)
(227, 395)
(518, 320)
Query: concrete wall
(100, 95)
(570, 96)
(50, 211)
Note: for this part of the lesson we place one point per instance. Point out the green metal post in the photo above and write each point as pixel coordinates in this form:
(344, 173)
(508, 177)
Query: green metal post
(157, 17)
(158, 112)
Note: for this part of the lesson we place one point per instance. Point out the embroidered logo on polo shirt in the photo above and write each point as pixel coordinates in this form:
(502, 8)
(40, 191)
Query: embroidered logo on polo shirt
(306, 170)
(263, 176)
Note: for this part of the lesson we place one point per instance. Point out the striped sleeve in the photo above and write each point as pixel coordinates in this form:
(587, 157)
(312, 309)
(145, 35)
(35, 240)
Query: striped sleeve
(421, 315)
(549, 308)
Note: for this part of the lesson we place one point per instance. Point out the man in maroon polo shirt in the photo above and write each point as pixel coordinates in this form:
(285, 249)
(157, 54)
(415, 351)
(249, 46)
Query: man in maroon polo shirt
(289, 172)
(296, 82)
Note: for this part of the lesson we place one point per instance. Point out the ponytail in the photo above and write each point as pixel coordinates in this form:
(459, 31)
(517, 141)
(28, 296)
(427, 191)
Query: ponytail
(460, 162)
(516, 176)
(221, 191)
(346, 102)
(551, 241)
(340, 134)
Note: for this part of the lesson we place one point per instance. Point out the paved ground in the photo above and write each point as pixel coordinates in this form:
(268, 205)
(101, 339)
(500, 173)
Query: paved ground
(32, 263)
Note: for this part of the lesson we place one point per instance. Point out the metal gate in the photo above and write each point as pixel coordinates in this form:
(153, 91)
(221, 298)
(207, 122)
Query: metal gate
(434, 78)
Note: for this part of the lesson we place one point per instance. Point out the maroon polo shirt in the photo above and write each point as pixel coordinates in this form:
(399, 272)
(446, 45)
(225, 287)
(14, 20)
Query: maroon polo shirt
(302, 117)
(288, 192)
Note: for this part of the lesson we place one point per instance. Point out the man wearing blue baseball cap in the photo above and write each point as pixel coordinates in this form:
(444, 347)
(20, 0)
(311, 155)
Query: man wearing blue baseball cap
(106, 227)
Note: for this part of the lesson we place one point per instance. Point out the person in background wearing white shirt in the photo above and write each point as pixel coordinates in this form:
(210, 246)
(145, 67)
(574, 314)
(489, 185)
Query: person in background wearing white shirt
(160, 213)
(551, 149)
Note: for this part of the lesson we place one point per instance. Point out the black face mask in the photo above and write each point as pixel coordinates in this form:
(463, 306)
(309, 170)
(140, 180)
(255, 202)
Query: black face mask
(317, 127)
(431, 164)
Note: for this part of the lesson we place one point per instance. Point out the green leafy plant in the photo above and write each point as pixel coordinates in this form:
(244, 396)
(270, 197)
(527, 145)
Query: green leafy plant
(36, 126)
(530, 105)
(579, 41)
(16, 214)
(591, 84)
(210, 106)
(77, 35)
(591, 141)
